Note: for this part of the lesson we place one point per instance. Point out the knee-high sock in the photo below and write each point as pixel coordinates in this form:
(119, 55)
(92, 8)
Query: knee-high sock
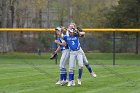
(71, 75)
(89, 68)
(80, 73)
(62, 74)
(65, 74)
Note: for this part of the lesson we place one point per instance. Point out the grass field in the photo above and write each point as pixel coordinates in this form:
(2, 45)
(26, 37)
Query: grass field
(30, 73)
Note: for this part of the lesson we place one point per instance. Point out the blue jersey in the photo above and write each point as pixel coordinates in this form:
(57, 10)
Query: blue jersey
(73, 42)
(62, 47)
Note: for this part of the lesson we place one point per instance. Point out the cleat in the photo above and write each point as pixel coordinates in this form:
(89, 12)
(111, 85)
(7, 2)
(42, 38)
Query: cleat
(58, 82)
(79, 81)
(63, 83)
(69, 83)
(93, 74)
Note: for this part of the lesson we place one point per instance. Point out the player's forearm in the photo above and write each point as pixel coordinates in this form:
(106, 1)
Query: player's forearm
(62, 44)
(81, 33)
(58, 48)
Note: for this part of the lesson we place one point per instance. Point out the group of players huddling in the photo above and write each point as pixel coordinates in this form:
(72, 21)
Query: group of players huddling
(68, 43)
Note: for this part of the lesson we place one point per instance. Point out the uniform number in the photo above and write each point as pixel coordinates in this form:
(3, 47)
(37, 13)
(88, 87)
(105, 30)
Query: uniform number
(73, 43)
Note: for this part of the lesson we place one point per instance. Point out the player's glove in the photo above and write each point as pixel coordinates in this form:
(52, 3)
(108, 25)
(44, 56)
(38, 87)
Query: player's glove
(79, 29)
(76, 32)
(53, 55)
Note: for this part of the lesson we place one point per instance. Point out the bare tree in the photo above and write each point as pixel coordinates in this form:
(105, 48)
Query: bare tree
(7, 20)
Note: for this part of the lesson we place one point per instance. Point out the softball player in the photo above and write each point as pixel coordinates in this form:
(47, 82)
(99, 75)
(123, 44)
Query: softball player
(64, 58)
(75, 53)
(85, 61)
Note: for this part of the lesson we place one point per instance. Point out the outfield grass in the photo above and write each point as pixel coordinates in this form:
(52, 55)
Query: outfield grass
(30, 73)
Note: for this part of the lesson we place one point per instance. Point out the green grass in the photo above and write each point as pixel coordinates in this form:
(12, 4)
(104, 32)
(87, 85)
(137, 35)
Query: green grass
(30, 73)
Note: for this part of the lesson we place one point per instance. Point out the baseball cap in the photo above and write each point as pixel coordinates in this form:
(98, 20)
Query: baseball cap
(58, 28)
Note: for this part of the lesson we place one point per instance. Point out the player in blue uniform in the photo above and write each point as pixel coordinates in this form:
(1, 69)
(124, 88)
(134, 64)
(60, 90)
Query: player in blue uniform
(64, 58)
(85, 61)
(74, 46)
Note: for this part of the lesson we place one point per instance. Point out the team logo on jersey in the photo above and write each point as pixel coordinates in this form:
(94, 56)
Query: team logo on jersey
(74, 38)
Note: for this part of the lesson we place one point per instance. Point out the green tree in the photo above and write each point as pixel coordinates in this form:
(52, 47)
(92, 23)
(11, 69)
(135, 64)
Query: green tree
(125, 15)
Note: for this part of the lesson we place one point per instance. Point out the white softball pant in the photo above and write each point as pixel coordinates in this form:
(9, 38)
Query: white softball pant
(64, 58)
(72, 61)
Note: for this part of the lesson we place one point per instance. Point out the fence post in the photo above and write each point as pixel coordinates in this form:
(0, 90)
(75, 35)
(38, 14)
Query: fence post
(137, 43)
(114, 46)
